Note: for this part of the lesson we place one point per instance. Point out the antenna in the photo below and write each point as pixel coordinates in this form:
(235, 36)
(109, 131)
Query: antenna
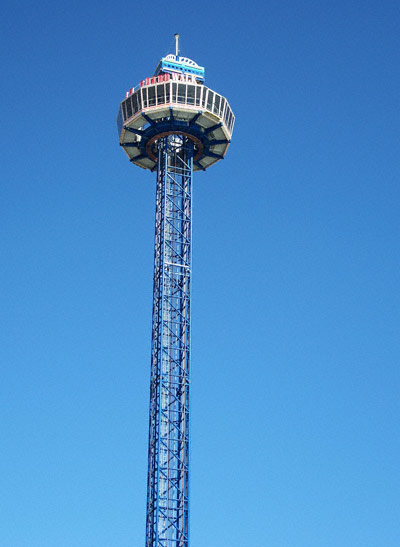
(176, 45)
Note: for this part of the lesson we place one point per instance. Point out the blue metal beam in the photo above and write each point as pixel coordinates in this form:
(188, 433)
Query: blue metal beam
(218, 141)
(139, 157)
(212, 128)
(199, 165)
(213, 155)
(148, 119)
(133, 130)
(130, 144)
(195, 118)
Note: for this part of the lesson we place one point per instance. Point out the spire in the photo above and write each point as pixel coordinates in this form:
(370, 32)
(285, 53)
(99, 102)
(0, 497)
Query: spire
(176, 45)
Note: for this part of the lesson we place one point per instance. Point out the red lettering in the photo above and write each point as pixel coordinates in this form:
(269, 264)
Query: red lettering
(163, 78)
(159, 79)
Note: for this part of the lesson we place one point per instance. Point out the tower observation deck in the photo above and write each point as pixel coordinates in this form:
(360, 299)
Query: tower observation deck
(173, 124)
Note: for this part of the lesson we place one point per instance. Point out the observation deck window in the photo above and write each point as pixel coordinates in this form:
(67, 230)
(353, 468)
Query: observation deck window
(198, 89)
(204, 98)
(222, 107)
(190, 94)
(217, 102)
(129, 107)
(120, 119)
(135, 102)
(161, 94)
(143, 91)
(210, 99)
(230, 120)
(151, 92)
(174, 91)
(226, 113)
(182, 93)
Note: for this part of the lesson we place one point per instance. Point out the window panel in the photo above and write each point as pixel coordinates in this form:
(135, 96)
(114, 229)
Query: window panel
(174, 92)
(210, 98)
(203, 100)
(135, 102)
(129, 107)
(217, 102)
(160, 94)
(120, 119)
(198, 94)
(231, 121)
(190, 94)
(222, 107)
(182, 93)
(167, 92)
(228, 116)
(151, 95)
(144, 97)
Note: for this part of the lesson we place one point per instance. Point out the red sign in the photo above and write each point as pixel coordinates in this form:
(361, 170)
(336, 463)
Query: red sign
(164, 78)
(155, 79)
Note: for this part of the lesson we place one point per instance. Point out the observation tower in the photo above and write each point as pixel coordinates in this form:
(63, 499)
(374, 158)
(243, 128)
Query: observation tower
(173, 124)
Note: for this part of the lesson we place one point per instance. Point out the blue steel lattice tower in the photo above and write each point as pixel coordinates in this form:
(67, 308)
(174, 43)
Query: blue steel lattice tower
(174, 125)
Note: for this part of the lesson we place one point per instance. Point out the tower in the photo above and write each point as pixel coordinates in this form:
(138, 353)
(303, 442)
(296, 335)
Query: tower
(173, 124)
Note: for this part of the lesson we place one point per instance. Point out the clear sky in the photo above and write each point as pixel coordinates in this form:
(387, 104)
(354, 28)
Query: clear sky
(296, 307)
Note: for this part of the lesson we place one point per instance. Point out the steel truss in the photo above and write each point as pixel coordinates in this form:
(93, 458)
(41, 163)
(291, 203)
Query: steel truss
(168, 471)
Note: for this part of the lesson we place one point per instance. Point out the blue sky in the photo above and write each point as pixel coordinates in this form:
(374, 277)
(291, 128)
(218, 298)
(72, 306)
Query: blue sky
(295, 372)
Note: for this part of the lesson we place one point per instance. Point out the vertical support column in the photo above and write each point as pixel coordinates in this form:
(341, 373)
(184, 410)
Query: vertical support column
(168, 471)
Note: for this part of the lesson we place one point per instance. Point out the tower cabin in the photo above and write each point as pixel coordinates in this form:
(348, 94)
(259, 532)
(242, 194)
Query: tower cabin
(174, 64)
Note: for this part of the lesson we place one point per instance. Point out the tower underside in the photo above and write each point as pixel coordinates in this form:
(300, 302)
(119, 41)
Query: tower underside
(168, 471)
(175, 107)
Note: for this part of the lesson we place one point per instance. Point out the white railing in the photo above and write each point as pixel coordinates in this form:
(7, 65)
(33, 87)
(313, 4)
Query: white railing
(171, 93)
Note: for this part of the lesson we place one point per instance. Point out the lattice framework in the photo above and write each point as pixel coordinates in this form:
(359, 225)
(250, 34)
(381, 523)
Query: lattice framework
(168, 471)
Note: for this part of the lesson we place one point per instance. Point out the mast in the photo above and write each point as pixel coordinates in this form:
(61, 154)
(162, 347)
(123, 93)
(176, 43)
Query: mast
(176, 45)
